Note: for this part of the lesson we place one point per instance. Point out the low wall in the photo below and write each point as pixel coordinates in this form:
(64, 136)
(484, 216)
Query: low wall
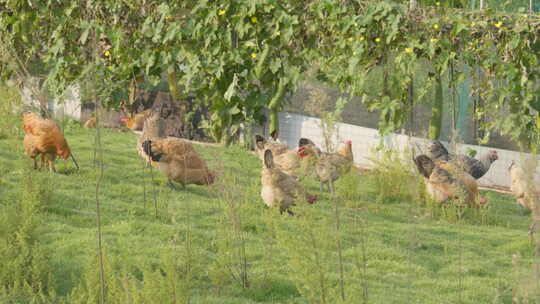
(366, 140)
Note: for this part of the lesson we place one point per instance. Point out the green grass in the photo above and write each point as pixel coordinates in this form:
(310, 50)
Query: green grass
(425, 258)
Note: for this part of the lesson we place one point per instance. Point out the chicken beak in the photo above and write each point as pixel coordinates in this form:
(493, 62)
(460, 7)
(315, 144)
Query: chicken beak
(74, 161)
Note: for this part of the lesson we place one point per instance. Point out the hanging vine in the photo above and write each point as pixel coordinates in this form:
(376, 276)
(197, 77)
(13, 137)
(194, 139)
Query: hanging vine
(275, 42)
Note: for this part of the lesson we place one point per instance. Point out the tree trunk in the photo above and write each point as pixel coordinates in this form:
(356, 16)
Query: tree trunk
(436, 111)
(37, 93)
(274, 122)
(273, 106)
(176, 97)
(132, 94)
(43, 104)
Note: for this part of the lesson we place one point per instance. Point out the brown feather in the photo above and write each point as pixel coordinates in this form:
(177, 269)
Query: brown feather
(278, 188)
(43, 137)
(444, 182)
(179, 161)
(330, 166)
(136, 122)
(263, 145)
(523, 190)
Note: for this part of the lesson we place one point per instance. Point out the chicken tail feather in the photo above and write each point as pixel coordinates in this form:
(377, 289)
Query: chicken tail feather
(274, 134)
(424, 164)
(147, 148)
(259, 141)
(259, 138)
(304, 141)
(268, 159)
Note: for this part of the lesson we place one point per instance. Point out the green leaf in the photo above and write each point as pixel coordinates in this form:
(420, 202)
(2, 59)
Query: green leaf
(57, 47)
(84, 35)
(275, 65)
(150, 63)
(231, 90)
(460, 26)
(172, 31)
(234, 110)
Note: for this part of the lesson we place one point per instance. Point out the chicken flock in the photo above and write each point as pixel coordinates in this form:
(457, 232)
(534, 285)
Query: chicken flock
(283, 168)
(447, 177)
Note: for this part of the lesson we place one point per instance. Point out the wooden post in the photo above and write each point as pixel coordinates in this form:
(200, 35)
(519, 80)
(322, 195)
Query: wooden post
(174, 90)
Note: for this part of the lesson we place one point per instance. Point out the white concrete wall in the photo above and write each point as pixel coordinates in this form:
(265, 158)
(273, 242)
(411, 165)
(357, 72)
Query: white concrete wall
(68, 105)
(366, 140)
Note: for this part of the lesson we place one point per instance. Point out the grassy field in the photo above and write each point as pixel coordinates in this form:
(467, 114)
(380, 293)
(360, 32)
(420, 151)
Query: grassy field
(220, 244)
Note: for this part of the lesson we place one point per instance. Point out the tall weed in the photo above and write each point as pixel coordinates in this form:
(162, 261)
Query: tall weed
(25, 272)
(10, 108)
(308, 244)
(393, 178)
(230, 264)
(351, 189)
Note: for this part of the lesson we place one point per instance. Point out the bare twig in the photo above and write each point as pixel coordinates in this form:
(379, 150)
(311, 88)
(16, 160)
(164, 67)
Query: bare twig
(338, 240)
(365, 295)
(98, 217)
(144, 182)
(154, 192)
(318, 262)
(98, 148)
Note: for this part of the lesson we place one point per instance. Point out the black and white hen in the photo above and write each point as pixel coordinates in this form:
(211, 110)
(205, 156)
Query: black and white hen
(475, 167)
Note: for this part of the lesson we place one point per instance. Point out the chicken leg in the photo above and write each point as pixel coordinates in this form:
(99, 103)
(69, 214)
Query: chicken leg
(331, 187)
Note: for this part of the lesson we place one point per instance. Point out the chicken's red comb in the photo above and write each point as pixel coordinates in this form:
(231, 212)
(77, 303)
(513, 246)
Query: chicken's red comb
(301, 152)
(348, 142)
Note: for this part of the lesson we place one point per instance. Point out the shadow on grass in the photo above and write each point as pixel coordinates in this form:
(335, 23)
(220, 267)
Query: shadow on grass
(272, 291)
(68, 171)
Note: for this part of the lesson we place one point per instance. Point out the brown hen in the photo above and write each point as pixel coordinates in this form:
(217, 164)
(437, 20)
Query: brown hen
(522, 187)
(262, 145)
(330, 166)
(136, 122)
(43, 137)
(280, 189)
(177, 159)
(443, 183)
